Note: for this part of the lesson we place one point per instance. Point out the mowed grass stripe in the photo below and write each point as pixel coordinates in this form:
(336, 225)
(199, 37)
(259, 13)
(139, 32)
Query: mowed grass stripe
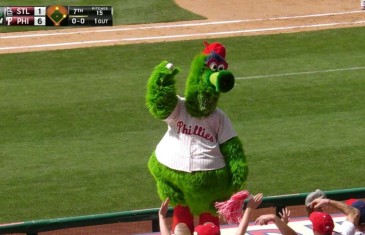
(301, 73)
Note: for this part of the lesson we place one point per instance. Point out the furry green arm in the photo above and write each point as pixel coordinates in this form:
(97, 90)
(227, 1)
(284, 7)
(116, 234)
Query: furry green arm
(233, 152)
(161, 91)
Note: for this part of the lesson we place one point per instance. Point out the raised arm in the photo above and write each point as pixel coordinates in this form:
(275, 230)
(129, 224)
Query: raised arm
(161, 92)
(352, 214)
(252, 204)
(282, 226)
(162, 217)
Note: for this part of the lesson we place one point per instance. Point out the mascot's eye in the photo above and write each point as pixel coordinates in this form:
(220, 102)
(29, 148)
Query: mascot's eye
(221, 67)
(213, 66)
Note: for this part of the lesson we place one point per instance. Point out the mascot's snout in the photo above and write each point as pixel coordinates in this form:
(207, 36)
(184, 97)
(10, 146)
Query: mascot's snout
(223, 81)
(221, 78)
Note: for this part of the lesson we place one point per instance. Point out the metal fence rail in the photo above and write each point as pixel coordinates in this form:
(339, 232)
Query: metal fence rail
(35, 227)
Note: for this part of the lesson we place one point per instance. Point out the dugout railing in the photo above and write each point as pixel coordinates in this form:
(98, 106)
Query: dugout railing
(38, 226)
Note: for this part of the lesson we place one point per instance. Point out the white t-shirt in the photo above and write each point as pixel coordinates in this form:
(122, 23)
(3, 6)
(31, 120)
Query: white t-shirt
(192, 144)
(347, 228)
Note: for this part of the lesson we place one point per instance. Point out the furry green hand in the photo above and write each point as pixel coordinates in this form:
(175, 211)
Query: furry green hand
(165, 73)
(161, 91)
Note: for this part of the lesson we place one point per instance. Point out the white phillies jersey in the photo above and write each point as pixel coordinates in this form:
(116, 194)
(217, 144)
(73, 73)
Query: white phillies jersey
(192, 144)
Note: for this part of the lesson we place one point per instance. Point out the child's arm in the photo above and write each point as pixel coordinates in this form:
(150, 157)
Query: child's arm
(162, 219)
(252, 204)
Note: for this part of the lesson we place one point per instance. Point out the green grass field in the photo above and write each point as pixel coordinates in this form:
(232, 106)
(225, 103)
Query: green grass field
(76, 135)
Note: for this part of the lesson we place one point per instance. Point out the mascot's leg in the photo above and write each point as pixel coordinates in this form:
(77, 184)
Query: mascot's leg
(203, 189)
(181, 218)
(208, 217)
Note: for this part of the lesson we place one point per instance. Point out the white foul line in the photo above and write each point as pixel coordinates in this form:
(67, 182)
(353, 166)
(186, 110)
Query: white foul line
(300, 73)
(60, 44)
(242, 31)
(179, 36)
(199, 24)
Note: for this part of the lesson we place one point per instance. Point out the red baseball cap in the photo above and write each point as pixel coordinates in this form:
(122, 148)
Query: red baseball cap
(215, 47)
(350, 201)
(207, 229)
(322, 222)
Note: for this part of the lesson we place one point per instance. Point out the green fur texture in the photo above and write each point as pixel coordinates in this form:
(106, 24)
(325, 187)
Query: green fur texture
(200, 190)
(201, 96)
(236, 162)
(161, 92)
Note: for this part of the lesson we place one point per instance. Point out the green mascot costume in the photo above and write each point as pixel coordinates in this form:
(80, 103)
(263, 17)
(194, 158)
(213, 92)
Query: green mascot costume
(200, 159)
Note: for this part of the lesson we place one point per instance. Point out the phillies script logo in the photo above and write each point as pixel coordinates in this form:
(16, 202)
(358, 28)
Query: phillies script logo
(197, 130)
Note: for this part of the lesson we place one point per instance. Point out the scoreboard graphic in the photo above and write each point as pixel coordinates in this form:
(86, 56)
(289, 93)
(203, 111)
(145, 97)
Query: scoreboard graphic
(56, 15)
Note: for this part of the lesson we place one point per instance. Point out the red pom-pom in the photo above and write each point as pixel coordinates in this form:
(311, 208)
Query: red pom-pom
(231, 210)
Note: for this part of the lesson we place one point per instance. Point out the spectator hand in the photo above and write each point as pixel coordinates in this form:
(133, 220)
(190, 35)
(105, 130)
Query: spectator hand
(265, 219)
(285, 215)
(318, 203)
(164, 208)
(254, 201)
